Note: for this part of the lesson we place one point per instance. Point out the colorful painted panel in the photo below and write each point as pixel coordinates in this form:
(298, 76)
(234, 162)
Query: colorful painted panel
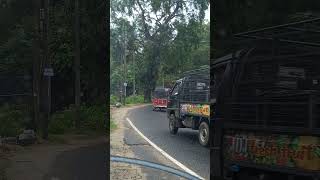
(195, 109)
(281, 150)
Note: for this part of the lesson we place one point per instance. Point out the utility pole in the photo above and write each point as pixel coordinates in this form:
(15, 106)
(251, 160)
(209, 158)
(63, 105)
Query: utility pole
(134, 75)
(163, 79)
(77, 64)
(36, 71)
(125, 64)
(162, 72)
(45, 67)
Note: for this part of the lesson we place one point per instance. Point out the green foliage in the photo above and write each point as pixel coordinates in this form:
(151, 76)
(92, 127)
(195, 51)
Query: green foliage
(13, 120)
(16, 52)
(137, 99)
(113, 99)
(61, 122)
(159, 47)
(113, 125)
(91, 117)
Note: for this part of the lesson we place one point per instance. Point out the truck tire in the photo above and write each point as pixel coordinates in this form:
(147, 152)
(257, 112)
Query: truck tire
(203, 134)
(172, 124)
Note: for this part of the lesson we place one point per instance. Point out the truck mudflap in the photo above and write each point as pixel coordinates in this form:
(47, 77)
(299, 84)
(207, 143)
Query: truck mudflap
(301, 152)
(195, 109)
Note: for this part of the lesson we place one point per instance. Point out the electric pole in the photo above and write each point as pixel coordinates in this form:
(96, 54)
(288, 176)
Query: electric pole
(36, 70)
(77, 64)
(45, 67)
(134, 75)
(125, 64)
(163, 79)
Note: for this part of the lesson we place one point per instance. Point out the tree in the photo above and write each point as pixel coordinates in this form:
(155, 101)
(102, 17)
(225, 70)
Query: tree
(157, 22)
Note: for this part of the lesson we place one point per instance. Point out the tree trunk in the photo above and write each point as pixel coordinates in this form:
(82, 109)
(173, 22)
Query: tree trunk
(147, 95)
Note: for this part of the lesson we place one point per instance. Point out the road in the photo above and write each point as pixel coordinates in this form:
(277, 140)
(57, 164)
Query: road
(80, 164)
(184, 146)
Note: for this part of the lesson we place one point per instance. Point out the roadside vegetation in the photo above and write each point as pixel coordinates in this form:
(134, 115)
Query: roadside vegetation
(13, 119)
(113, 99)
(113, 125)
(137, 99)
(92, 120)
(20, 53)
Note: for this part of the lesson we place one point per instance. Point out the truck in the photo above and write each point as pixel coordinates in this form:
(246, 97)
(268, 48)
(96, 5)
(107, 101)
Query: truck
(159, 98)
(188, 103)
(266, 121)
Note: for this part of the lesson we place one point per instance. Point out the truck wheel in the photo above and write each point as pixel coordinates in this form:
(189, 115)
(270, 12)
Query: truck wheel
(172, 124)
(203, 134)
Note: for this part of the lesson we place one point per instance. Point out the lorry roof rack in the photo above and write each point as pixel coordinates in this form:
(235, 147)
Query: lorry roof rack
(305, 33)
(202, 69)
(225, 59)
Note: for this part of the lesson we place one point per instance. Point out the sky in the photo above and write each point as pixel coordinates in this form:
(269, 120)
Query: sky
(207, 17)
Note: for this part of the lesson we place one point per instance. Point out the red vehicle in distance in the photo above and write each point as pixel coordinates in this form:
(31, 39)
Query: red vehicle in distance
(160, 98)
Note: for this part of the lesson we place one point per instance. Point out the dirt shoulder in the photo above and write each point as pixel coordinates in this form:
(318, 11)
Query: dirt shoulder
(118, 147)
(35, 161)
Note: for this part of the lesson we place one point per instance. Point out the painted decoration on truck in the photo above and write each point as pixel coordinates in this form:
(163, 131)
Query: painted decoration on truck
(195, 109)
(301, 152)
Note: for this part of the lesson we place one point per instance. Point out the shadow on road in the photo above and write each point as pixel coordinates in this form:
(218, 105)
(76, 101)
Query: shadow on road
(80, 164)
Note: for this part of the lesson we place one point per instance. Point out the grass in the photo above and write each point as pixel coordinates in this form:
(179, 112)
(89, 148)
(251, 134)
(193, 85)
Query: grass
(113, 125)
(91, 119)
(137, 99)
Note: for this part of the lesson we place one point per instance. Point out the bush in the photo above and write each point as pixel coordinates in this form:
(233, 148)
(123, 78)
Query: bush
(61, 122)
(113, 99)
(138, 99)
(91, 117)
(13, 119)
(112, 124)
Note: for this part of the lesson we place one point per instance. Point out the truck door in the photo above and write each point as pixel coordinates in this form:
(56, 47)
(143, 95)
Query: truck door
(174, 97)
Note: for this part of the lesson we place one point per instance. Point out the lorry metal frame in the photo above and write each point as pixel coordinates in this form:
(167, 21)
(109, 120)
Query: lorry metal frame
(257, 99)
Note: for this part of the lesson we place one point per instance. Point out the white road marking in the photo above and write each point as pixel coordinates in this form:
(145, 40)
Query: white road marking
(163, 152)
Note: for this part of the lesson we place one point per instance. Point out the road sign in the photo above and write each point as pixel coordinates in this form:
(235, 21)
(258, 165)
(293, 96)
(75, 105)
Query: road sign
(48, 72)
(125, 84)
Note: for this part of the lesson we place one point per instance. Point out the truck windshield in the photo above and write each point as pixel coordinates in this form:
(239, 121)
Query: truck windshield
(160, 94)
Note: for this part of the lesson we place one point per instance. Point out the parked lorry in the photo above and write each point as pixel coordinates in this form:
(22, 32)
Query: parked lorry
(188, 105)
(266, 121)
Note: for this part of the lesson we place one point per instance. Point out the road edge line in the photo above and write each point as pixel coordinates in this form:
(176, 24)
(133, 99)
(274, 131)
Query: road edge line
(163, 152)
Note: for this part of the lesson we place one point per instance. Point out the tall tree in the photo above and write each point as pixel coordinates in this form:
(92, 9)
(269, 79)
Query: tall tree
(157, 21)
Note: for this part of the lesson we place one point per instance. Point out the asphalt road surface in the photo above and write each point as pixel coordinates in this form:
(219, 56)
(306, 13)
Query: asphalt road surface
(80, 164)
(184, 147)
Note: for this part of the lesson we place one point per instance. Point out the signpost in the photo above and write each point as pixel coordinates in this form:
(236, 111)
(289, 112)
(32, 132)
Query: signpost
(48, 72)
(125, 92)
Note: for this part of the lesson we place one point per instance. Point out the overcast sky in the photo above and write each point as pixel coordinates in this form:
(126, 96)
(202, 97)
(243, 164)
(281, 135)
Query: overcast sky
(207, 17)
